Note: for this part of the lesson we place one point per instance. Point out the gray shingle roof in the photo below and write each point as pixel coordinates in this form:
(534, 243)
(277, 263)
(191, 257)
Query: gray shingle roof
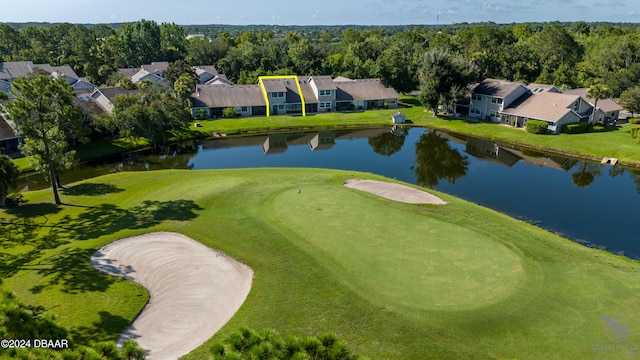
(156, 66)
(276, 85)
(15, 69)
(216, 96)
(363, 89)
(496, 88)
(606, 105)
(323, 82)
(547, 106)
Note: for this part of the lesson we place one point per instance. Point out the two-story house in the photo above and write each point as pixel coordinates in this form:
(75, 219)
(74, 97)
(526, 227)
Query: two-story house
(276, 95)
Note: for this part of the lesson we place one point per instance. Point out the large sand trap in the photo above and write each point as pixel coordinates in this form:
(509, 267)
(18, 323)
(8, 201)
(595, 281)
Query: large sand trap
(395, 191)
(194, 290)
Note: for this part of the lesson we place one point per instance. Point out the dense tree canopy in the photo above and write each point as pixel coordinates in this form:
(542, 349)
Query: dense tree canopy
(562, 54)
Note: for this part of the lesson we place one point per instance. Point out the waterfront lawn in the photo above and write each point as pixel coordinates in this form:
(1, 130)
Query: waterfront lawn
(394, 280)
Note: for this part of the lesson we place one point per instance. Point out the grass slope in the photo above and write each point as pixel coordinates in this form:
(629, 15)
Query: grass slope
(396, 281)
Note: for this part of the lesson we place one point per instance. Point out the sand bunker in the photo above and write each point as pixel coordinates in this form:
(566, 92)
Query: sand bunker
(395, 191)
(194, 290)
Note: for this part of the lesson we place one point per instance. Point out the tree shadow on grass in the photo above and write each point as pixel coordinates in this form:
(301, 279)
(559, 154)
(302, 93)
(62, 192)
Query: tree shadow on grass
(91, 189)
(70, 268)
(109, 218)
(72, 271)
(27, 211)
(101, 330)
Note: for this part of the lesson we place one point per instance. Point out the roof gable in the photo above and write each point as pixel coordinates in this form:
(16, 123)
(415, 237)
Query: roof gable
(606, 105)
(549, 106)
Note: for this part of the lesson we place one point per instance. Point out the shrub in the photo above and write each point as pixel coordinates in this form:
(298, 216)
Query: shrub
(634, 120)
(536, 127)
(200, 114)
(634, 131)
(597, 128)
(230, 112)
(13, 200)
(575, 128)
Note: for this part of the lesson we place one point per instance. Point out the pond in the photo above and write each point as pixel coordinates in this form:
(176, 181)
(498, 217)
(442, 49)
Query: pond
(590, 203)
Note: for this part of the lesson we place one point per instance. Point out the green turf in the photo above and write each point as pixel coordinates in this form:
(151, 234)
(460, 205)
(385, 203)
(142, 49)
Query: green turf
(396, 281)
(401, 259)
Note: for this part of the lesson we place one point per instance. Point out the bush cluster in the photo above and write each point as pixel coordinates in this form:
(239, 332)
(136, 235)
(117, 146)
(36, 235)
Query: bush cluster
(634, 131)
(634, 120)
(230, 112)
(536, 127)
(575, 128)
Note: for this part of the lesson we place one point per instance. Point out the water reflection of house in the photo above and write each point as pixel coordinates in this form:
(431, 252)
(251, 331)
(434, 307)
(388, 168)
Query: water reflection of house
(507, 156)
(278, 143)
(323, 140)
(275, 143)
(491, 152)
(551, 161)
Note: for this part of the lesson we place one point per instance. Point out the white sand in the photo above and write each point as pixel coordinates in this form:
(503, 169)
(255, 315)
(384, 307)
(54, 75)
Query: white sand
(395, 191)
(194, 290)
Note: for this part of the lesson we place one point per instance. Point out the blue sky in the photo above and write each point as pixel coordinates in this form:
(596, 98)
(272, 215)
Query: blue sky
(323, 12)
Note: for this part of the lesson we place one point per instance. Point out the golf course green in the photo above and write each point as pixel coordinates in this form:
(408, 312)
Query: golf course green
(395, 280)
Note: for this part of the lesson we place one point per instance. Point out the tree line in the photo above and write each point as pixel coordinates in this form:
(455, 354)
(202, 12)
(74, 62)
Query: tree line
(563, 54)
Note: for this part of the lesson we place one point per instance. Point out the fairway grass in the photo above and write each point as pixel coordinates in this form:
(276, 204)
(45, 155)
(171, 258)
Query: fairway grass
(395, 280)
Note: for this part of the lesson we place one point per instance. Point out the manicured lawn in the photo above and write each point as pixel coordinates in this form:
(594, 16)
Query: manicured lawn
(394, 280)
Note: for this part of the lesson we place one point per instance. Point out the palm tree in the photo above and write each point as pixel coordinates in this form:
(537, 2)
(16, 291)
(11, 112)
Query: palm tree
(597, 91)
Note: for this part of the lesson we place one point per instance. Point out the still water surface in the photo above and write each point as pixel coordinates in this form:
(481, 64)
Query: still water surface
(587, 202)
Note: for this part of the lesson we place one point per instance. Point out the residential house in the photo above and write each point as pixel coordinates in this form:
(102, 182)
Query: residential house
(9, 138)
(364, 94)
(488, 98)
(103, 97)
(608, 111)
(514, 103)
(557, 109)
(292, 95)
(9, 71)
(154, 73)
(208, 101)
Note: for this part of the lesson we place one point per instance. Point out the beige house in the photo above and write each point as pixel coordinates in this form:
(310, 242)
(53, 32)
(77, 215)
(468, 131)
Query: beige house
(514, 103)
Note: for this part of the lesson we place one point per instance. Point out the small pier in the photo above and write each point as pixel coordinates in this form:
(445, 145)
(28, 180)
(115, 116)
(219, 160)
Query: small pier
(608, 160)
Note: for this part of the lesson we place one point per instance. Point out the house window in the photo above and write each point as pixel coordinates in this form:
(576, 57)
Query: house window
(325, 105)
(244, 109)
(476, 97)
(277, 94)
(322, 93)
(493, 113)
(496, 100)
(475, 110)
